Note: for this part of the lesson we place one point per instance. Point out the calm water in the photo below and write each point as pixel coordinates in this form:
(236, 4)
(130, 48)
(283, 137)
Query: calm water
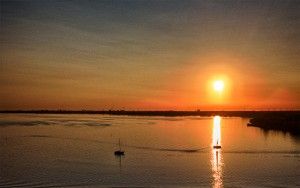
(77, 150)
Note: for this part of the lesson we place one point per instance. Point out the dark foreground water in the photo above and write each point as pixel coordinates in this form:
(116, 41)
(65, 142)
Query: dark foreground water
(78, 150)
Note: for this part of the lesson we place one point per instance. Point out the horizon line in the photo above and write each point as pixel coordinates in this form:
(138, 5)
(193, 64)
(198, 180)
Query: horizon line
(149, 110)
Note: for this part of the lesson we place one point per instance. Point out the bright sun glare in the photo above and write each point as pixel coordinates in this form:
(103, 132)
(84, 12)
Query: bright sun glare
(218, 85)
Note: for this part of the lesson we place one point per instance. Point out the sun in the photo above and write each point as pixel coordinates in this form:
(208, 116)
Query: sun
(218, 85)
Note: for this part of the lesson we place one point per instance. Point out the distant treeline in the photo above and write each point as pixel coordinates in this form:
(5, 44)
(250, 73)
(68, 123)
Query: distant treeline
(286, 122)
(249, 114)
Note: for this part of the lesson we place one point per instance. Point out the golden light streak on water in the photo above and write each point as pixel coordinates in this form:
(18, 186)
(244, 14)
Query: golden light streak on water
(217, 131)
(216, 157)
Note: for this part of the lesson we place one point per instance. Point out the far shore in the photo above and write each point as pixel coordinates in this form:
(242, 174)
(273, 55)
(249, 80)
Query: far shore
(285, 121)
(249, 114)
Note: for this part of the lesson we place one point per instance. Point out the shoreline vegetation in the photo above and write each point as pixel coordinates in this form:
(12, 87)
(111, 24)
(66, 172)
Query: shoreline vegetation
(242, 113)
(285, 121)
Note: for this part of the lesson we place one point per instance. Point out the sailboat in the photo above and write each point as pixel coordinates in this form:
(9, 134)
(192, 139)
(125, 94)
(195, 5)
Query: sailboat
(119, 152)
(217, 146)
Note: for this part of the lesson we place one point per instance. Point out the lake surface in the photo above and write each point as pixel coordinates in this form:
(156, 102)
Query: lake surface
(78, 150)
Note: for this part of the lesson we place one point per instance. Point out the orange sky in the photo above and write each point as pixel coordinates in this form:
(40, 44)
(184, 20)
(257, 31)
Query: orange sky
(149, 55)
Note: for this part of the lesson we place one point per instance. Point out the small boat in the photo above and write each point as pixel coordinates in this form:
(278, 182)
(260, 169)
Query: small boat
(119, 152)
(217, 146)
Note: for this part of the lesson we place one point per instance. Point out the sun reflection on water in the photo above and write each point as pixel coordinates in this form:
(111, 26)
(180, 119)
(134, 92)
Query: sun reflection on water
(216, 157)
(217, 131)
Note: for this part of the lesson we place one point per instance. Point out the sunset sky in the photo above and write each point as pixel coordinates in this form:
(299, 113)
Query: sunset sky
(149, 55)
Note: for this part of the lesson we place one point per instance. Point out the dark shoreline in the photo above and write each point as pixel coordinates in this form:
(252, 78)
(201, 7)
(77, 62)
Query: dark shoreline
(285, 121)
(249, 114)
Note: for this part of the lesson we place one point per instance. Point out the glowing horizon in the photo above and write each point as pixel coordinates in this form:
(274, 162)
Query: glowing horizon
(149, 56)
